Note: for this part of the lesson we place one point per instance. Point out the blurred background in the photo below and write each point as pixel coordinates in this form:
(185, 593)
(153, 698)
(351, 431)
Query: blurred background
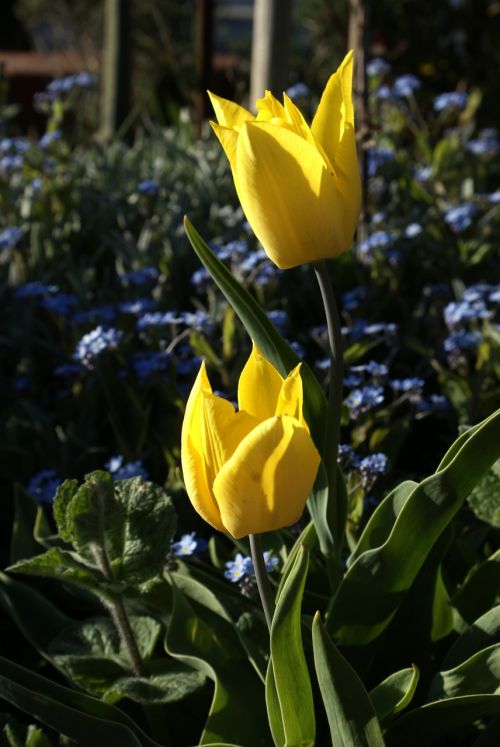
(164, 53)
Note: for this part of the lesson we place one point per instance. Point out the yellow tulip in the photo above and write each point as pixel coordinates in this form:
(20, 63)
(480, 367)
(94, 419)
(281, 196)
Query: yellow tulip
(299, 186)
(252, 470)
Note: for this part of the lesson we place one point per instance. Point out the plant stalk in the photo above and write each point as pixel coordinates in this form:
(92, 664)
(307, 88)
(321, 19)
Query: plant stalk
(263, 585)
(335, 398)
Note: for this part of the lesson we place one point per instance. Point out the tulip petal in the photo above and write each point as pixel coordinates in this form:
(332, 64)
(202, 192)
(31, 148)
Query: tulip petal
(228, 113)
(228, 138)
(259, 386)
(289, 197)
(194, 467)
(333, 127)
(265, 484)
(291, 399)
(269, 108)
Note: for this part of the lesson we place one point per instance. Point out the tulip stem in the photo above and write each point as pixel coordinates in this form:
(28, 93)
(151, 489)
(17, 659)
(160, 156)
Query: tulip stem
(335, 392)
(263, 585)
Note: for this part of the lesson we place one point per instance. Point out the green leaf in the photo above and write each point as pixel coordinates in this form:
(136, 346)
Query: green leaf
(478, 675)
(92, 654)
(485, 497)
(132, 521)
(306, 538)
(61, 564)
(291, 676)
(480, 589)
(23, 543)
(395, 692)
(205, 641)
(277, 350)
(382, 575)
(173, 682)
(37, 618)
(482, 633)
(273, 708)
(85, 719)
(382, 520)
(429, 723)
(351, 715)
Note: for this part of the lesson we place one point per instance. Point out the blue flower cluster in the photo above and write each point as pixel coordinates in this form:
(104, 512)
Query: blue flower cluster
(95, 343)
(122, 470)
(241, 568)
(59, 88)
(188, 545)
(43, 485)
(460, 217)
(465, 318)
(449, 101)
(367, 468)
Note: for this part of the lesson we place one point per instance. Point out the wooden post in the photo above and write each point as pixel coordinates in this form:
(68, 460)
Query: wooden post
(204, 54)
(115, 86)
(358, 40)
(270, 45)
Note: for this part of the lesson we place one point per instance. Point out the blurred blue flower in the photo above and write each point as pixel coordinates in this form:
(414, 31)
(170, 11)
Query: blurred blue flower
(10, 237)
(11, 163)
(148, 363)
(423, 174)
(61, 304)
(459, 218)
(280, 320)
(189, 544)
(378, 240)
(406, 85)
(148, 187)
(354, 298)
(361, 400)
(142, 276)
(66, 370)
(412, 387)
(297, 348)
(122, 470)
(297, 91)
(483, 148)
(377, 68)
(461, 341)
(137, 307)
(43, 486)
(200, 278)
(413, 230)
(347, 457)
(95, 343)
(104, 314)
(34, 290)
(373, 369)
(457, 313)
(451, 100)
(14, 145)
(49, 138)
(377, 157)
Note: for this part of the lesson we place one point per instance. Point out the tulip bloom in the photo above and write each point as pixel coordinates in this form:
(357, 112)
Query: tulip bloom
(249, 471)
(299, 186)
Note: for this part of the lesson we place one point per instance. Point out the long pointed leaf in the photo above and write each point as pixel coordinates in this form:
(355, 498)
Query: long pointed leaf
(351, 715)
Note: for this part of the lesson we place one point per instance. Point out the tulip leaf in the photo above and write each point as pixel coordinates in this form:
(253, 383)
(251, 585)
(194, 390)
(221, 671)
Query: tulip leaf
(432, 721)
(291, 676)
(381, 576)
(482, 633)
(351, 714)
(81, 717)
(307, 538)
(205, 641)
(278, 352)
(256, 322)
(395, 692)
(273, 708)
(478, 675)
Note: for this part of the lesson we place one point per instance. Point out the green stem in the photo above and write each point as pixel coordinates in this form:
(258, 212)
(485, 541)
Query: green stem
(335, 398)
(263, 585)
(118, 613)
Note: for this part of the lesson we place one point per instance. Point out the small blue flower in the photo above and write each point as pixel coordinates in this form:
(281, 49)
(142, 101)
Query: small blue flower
(14, 145)
(406, 85)
(347, 457)
(122, 470)
(148, 363)
(297, 91)
(11, 163)
(361, 400)
(102, 314)
(142, 276)
(43, 486)
(372, 368)
(411, 387)
(377, 68)
(61, 304)
(461, 341)
(10, 237)
(413, 230)
(200, 278)
(33, 290)
(49, 138)
(189, 544)
(280, 320)
(354, 298)
(242, 566)
(459, 218)
(378, 240)
(377, 157)
(458, 313)
(483, 148)
(137, 307)
(148, 187)
(95, 343)
(452, 100)
(423, 174)
(372, 466)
